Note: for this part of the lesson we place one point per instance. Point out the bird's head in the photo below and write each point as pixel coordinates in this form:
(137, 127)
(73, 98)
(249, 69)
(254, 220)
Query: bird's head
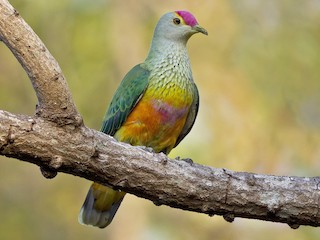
(178, 25)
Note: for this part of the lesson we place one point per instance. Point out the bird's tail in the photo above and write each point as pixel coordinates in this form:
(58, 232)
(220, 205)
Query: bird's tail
(100, 206)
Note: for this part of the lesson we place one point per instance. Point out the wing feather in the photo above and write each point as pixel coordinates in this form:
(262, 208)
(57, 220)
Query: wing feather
(125, 98)
(191, 116)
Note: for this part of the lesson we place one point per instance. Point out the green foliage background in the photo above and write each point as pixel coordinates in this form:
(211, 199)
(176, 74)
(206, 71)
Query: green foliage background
(259, 79)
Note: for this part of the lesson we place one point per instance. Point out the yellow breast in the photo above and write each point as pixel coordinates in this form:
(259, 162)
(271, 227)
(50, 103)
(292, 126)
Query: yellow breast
(157, 120)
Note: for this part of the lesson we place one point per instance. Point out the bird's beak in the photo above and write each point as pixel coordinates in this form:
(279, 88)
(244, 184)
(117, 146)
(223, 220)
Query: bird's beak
(200, 29)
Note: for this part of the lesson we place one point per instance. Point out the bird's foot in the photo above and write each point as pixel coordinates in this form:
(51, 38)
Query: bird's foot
(148, 149)
(188, 160)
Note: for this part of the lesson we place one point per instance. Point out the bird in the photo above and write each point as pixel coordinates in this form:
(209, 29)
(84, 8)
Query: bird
(155, 106)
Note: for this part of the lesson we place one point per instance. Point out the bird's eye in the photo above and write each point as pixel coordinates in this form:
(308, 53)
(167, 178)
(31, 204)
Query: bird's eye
(176, 21)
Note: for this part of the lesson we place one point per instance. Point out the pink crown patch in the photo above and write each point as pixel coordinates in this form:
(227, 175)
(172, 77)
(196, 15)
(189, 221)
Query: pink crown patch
(188, 18)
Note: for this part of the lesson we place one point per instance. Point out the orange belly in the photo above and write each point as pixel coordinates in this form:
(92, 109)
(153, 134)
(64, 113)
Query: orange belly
(153, 123)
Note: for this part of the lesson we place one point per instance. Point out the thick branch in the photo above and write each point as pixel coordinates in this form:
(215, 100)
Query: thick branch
(90, 154)
(55, 101)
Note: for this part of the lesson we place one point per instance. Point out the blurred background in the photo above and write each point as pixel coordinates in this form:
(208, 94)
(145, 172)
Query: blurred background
(259, 80)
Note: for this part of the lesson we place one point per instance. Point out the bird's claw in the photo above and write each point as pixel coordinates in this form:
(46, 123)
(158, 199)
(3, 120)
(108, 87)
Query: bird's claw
(188, 160)
(148, 149)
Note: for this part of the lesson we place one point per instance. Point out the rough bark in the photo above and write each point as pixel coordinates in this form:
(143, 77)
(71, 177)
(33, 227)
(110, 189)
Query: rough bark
(57, 141)
(177, 183)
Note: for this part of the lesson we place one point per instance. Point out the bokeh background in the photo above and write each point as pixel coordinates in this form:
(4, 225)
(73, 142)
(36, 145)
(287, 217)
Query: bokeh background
(258, 73)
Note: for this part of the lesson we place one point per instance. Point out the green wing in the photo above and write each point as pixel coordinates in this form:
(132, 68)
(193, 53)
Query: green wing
(125, 98)
(191, 116)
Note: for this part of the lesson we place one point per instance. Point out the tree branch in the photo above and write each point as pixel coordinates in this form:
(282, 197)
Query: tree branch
(55, 101)
(93, 155)
(56, 141)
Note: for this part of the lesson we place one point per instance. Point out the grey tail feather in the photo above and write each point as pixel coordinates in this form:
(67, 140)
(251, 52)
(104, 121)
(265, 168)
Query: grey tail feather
(90, 216)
